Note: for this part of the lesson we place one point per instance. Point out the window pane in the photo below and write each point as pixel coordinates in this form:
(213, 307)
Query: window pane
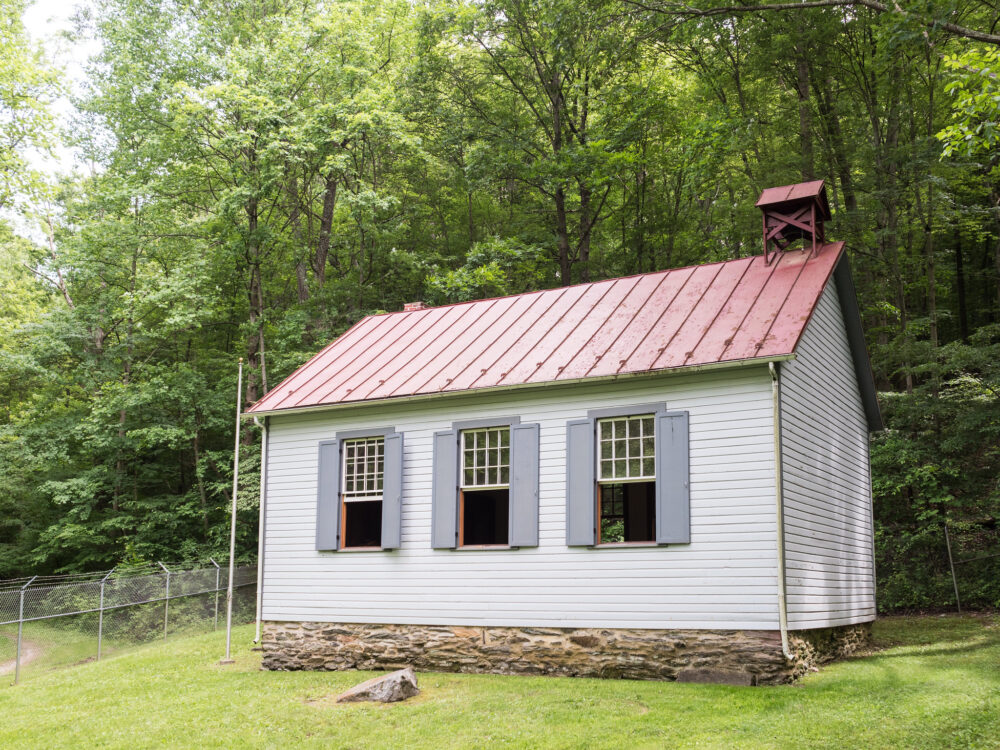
(626, 448)
(363, 469)
(605, 471)
(605, 449)
(485, 457)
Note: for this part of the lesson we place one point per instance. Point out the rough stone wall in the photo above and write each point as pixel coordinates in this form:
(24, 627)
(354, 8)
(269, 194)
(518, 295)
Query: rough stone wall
(736, 656)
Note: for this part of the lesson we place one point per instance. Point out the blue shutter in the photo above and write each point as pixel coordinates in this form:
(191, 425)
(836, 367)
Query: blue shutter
(581, 489)
(673, 479)
(392, 490)
(328, 496)
(444, 491)
(523, 528)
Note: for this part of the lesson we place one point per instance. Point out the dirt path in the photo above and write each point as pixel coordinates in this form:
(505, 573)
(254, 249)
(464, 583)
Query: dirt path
(29, 652)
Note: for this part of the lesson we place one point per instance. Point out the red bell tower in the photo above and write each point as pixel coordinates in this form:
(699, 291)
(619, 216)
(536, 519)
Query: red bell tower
(794, 212)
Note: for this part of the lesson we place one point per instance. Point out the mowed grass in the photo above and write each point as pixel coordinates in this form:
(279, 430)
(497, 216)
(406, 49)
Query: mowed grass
(935, 684)
(56, 647)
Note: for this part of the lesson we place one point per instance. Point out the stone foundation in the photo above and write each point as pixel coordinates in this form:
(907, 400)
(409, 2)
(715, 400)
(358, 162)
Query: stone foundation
(744, 657)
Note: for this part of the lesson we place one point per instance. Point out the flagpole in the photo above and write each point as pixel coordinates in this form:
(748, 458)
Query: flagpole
(232, 520)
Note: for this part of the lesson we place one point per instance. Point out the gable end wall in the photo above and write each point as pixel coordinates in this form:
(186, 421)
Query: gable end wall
(826, 478)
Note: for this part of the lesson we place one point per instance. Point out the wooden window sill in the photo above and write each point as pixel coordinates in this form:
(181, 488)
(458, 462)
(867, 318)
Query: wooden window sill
(627, 544)
(484, 546)
(362, 549)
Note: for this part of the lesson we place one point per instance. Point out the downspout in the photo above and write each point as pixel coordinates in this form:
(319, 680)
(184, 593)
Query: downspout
(260, 524)
(779, 509)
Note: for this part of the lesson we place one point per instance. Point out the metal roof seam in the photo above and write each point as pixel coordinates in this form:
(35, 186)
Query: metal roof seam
(315, 358)
(788, 295)
(493, 303)
(394, 323)
(774, 268)
(514, 365)
(472, 361)
(715, 317)
(426, 320)
(690, 312)
(539, 365)
(492, 363)
(562, 293)
(425, 348)
(660, 317)
(607, 317)
(652, 294)
(819, 292)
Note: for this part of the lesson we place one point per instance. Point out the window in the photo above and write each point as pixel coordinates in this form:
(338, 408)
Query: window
(361, 490)
(485, 487)
(626, 450)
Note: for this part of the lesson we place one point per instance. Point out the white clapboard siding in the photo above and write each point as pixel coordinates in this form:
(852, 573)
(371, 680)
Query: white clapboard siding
(826, 478)
(725, 578)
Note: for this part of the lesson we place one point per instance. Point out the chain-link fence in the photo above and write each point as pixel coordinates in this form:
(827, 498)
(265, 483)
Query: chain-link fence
(54, 621)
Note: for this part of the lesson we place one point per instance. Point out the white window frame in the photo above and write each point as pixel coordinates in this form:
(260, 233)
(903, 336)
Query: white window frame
(498, 466)
(364, 495)
(615, 442)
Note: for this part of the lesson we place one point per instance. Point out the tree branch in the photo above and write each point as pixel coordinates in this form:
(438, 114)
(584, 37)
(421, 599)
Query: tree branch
(685, 11)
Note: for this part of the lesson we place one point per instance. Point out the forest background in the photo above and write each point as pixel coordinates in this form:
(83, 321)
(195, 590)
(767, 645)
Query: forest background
(256, 175)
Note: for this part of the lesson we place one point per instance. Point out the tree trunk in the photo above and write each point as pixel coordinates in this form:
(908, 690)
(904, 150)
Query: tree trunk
(325, 229)
(808, 166)
(562, 238)
(255, 299)
(963, 314)
(201, 486)
(295, 220)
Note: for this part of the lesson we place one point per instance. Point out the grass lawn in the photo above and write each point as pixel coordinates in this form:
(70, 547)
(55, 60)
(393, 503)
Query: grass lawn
(8, 648)
(56, 647)
(935, 684)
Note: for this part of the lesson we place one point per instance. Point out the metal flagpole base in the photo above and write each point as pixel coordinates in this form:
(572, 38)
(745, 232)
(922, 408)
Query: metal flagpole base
(227, 661)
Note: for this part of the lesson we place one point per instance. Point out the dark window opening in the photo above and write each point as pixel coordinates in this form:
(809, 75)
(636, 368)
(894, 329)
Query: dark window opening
(363, 524)
(628, 512)
(485, 517)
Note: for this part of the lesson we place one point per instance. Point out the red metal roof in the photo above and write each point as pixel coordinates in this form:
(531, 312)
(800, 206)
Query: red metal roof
(714, 313)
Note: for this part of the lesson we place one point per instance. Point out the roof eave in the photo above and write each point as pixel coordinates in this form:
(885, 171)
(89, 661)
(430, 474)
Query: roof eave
(856, 341)
(731, 364)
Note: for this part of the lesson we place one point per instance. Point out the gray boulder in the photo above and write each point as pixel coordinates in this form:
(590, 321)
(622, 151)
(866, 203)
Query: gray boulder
(389, 688)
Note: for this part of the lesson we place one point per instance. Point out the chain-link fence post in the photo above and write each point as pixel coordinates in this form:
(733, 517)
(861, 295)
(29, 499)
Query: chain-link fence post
(166, 601)
(20, 631)
(218, 571)
(100, 615)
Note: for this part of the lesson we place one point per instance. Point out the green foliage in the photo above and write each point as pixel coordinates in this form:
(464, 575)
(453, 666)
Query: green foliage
(975, 120)
(493, 268)
(939, 463)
